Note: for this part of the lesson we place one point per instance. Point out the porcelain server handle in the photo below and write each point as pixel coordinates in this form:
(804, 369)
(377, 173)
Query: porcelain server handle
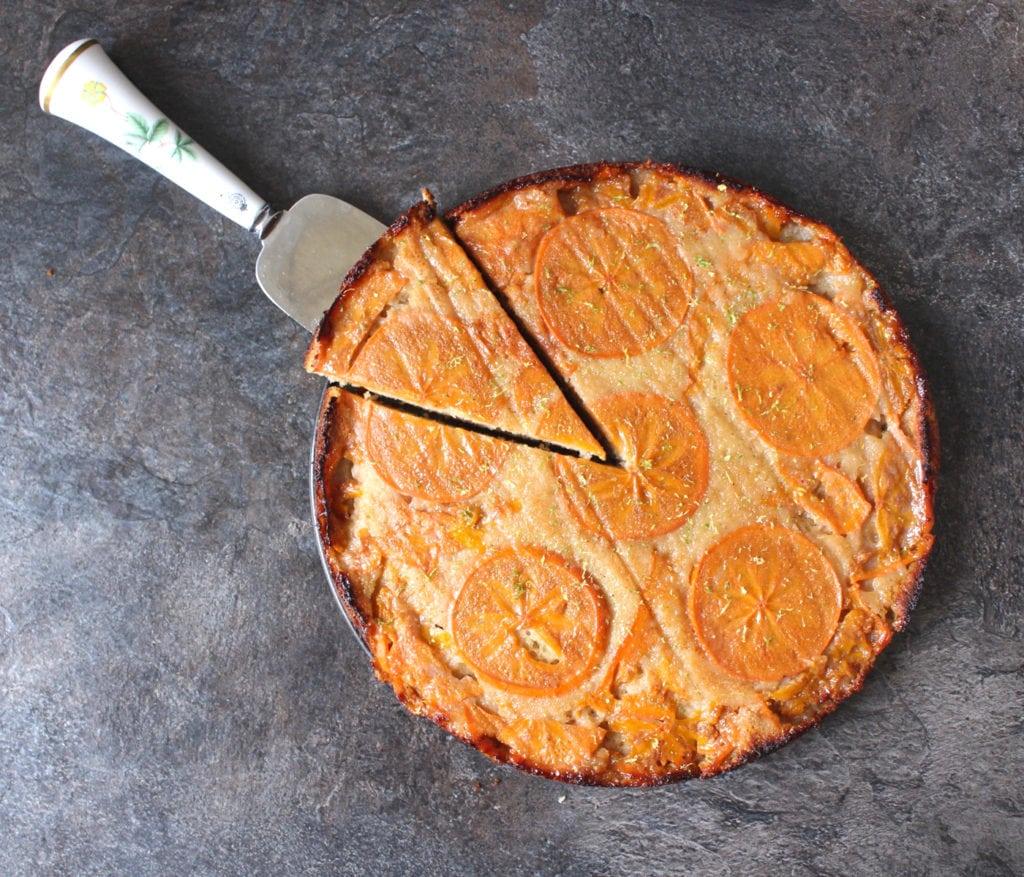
(83, 86)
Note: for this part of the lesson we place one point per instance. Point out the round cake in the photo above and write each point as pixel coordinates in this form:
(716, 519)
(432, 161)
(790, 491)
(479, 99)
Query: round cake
(625, 473)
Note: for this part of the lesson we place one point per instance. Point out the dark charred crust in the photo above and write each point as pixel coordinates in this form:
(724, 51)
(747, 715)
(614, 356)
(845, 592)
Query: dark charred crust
(927, 430)
(602, 170)
(498, 752)
(324, 425)
(928, 435)
(346, 593)
(577, 173)
(343, 586)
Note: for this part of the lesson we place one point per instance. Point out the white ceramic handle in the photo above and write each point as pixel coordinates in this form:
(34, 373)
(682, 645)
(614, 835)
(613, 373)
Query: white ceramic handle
(84, 86)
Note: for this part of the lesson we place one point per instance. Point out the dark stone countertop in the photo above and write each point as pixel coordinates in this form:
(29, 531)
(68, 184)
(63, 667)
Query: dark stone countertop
(178, 692)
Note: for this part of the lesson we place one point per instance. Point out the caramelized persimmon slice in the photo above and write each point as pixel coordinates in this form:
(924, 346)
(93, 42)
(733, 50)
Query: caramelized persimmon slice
(827, 494)
(413, 666)
(551, 744)
(430, 460)
(540, 403)
(530, 622)
(764, 602)
(803, 374)
(344, 328)
(896, 363)
(663, 476)
(610, 282)
(900, 517)
(641, 637)
(648, 722)
(418, 357)
(611, 190)
(676, 198)
(897, 504)
(503, 236)
(796, 261)
(527, 392)
(705, 320)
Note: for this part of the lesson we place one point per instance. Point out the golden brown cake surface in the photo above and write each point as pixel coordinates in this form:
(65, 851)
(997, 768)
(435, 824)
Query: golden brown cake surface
(731, 575)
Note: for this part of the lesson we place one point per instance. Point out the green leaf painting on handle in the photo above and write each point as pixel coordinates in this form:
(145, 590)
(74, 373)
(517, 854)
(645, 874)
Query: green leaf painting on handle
(140, 131)
(182, 146)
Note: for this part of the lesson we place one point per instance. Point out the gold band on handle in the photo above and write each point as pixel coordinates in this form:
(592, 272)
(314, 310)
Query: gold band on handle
(63, 69)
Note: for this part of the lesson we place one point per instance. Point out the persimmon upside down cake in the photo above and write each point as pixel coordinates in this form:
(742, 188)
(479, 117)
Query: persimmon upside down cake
(626, 474)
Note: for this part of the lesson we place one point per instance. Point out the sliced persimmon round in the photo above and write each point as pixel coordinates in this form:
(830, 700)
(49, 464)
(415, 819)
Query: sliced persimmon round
(795, 261)
(420, 358)
(430, 460)
(901, 519)
(803, 374)
(827, 494)
(530, 622)
(610, 282)
(540, 403)
(764, 602)
(664, 471)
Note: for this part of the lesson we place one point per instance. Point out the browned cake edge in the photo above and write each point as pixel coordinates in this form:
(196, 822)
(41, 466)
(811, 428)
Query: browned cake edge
(341, 583)
(422, 211)
(927, 426)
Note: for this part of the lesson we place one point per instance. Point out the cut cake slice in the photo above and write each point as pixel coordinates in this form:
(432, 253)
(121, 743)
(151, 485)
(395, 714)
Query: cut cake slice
(415, 322)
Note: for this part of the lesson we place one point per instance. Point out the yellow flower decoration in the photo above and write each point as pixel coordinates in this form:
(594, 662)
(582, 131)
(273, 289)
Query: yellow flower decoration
(94, 93)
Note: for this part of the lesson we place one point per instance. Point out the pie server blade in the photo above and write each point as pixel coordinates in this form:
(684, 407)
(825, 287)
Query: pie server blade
(306, 250)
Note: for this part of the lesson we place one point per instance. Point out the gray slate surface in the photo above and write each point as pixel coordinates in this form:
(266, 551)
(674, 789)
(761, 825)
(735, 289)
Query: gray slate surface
(177, 690)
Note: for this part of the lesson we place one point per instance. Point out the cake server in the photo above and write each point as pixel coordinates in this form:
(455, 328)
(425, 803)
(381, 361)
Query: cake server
(306, 250)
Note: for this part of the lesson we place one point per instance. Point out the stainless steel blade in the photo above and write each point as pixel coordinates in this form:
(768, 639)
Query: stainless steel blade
(309, 251)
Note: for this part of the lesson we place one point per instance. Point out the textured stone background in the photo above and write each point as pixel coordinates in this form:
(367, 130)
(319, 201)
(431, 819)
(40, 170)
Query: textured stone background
(177, 690)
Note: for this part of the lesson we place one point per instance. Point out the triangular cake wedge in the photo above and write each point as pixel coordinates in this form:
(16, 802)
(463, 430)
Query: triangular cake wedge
(415, 322)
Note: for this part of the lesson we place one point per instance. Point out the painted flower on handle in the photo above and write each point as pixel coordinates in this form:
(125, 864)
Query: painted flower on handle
(94, 93)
